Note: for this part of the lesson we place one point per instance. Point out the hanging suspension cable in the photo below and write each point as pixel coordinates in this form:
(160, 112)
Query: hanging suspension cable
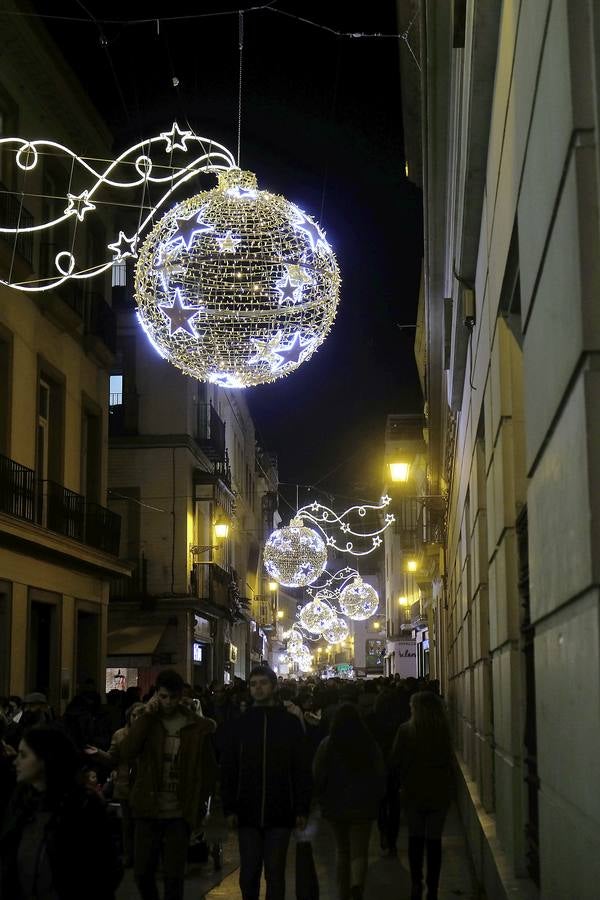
(241, 46)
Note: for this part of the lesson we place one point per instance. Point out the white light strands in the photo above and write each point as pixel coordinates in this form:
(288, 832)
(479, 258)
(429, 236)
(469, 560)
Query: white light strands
(317, 616)
(160, 164)
(253, 284)
(295, 555)
(359, 600)
(337, 632)
(327, 520)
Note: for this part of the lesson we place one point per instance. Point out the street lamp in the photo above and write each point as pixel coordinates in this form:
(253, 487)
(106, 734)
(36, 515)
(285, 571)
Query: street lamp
(399, 472)
(273, 586)
(221, 529)
(280, 614)
(412, 565)
(403, 601)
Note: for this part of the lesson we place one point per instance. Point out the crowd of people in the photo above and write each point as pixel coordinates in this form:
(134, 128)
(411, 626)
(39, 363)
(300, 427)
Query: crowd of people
(273, 753)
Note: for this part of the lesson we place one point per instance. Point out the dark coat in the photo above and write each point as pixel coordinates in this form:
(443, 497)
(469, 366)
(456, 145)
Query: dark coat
(197, 765)
(81, 851)
(265, 769)
(424, 770)
(346, 793)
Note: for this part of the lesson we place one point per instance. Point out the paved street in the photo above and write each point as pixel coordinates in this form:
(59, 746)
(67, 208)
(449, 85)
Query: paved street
(387, 877)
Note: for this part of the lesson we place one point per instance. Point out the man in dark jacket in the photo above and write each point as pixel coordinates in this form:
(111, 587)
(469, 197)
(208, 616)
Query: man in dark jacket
(175, 774)
(265, 785)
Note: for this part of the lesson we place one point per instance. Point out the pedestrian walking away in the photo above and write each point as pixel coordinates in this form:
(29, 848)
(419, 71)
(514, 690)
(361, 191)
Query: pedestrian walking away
(422, 762)
(175, 774)
(265, 785)
(350, 782)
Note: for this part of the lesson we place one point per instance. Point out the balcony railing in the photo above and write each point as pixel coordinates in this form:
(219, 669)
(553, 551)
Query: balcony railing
(210, 432)
(56, 508)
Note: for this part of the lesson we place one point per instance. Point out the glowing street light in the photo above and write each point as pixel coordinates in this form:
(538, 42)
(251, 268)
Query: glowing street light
(399, 472)
(221, 529)
(412, 565)
(273, 585)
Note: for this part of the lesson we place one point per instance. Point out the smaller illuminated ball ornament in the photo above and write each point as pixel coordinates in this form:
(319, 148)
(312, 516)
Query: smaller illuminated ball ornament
(359, 600)
(236, 286)
(337, 632)
(295, 555)
(317, 616)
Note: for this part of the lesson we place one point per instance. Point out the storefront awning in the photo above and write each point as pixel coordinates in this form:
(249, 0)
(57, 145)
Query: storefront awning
(134, 640)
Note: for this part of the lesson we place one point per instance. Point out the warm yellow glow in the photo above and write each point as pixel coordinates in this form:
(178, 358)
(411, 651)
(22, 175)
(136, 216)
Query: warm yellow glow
(412, 565)
(375, 625)
(406, 169)
(399, 471)
(221, 529)
(403, 601)
(280, 614)
(273, 585)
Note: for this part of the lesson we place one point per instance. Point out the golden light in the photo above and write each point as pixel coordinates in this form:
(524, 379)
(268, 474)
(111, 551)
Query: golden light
(412, 565)
(273, 586)
(399, 471)
(221, 529)
(280, 614)
(375, 625)
(403, 601)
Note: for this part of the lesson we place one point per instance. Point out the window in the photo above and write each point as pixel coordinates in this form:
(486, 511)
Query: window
(91, 454)
(5, 393)
(116, 390)
(119, 274)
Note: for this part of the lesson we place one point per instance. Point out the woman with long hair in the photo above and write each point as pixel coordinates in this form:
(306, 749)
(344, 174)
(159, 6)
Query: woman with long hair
(422, 761)
(55, 831)
(349, 781)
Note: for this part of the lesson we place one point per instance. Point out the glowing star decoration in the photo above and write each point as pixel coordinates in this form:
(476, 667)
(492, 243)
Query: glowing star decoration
(359, 600)
(337, 632)
(176, 138)
(317, 616)
(78, 205)
(295, 556)
(310, 229)
(237, 246)
(180, 316)
(123, 247)
(326, 520)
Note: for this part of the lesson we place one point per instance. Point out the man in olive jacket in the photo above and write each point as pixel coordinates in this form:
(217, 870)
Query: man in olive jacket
(175, 774)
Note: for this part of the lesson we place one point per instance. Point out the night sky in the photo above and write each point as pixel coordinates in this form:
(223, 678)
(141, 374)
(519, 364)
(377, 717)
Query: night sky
(321, 124)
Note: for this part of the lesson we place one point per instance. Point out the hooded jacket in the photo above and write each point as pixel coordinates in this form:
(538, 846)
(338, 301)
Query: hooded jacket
(144, 744)
(265, 770)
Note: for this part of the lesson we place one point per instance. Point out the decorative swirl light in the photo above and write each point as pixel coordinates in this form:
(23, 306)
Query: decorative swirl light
(325, 518)
(317, 616)
(236, 286)
(359, 600)
(295, 556)
(148, 162)
(337, 632)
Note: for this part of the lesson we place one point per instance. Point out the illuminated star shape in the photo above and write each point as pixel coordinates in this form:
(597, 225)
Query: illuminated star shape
(277, 354)
(312, 231)
(389, 518)
(242, 193)
(314, 506)
(386, 500)
(288, 292)
(169, 264)
(176, 138)
(228, 244)
(79, 205)
(330, 541)
(305, 569)
(293, 352)
(188, 228)
(123, 242)
(377, 542)
(180, 316)
(297, 275)
(344, 527)
(225, 380)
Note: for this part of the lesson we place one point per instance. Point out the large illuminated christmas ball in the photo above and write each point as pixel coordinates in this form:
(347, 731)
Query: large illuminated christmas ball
(359, 600)
(337, 632)
(296, 555)
(317, 616)
(236, 286)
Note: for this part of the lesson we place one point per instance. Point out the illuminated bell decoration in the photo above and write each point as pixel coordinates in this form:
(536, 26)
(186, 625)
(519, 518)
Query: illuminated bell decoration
(317, 616)
(337, 632)
(236, 286)
(359, 600)
(295, 555)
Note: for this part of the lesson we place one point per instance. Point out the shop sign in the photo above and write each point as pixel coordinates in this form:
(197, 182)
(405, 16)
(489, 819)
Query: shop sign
(233, 653)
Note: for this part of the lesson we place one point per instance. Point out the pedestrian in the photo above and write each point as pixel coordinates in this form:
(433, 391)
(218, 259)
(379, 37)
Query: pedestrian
(35, 711)
(349, 779)
(265, 785)
(422, 758)
(175, 775)
(55, 831)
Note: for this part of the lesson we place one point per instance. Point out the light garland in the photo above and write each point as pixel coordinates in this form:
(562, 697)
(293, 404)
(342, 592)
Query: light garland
(236, 286)
(325, 518)
(317, 616)
(148, 164)
(295, 556)
(359, 600)
(337, 632)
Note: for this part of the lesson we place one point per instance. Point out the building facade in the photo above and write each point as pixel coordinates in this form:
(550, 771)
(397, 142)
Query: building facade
(58, 541)
(509, 348)
(196, 496)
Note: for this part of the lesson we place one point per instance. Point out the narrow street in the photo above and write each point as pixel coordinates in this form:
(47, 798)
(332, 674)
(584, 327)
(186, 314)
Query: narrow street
(386, 877)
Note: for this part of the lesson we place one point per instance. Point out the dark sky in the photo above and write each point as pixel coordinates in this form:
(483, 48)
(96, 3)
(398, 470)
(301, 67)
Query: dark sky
(322, 125)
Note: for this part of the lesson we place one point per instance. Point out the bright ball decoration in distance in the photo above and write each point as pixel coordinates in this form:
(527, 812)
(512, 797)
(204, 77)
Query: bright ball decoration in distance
(337, 632)
(236, 286)
(295, 555)
(359, 600)
(317, 616)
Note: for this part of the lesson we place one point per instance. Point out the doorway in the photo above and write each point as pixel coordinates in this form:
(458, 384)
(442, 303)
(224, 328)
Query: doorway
(87, 662)
(43, 642)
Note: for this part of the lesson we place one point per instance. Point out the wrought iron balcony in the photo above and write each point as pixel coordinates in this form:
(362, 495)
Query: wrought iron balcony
(56, 508)
(210, 432)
